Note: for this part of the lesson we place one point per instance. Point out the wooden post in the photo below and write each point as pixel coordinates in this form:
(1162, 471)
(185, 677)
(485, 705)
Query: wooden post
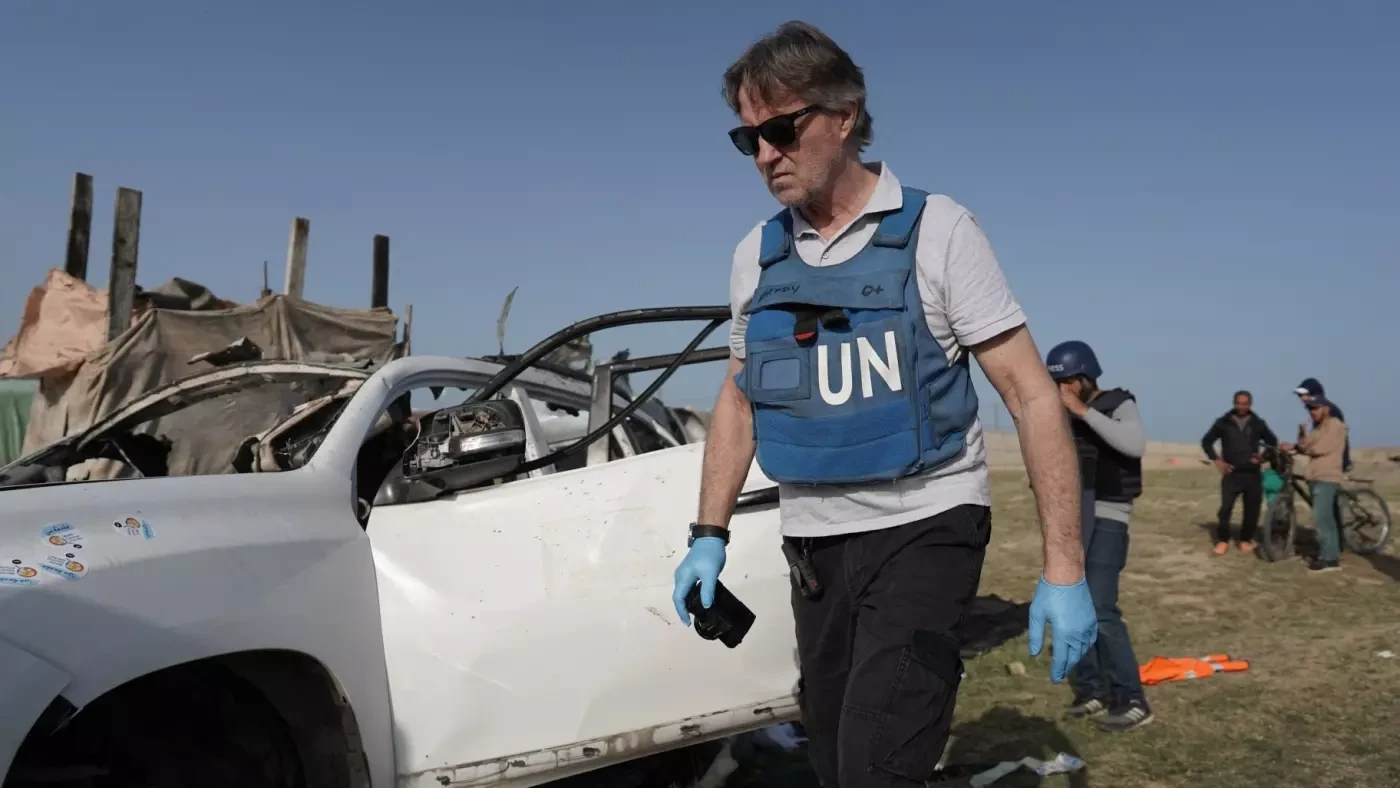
(121, 284)
(79, 227)
(379, 280)
(408, 330)
(296, 257)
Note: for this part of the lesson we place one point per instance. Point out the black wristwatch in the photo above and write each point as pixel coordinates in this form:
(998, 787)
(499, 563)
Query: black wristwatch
(698, 531)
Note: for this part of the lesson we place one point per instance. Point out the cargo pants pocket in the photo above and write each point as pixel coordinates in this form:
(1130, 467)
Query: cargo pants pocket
(905, 735)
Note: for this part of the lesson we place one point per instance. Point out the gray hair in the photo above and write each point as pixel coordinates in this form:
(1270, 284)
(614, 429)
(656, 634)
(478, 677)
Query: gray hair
(799, 58)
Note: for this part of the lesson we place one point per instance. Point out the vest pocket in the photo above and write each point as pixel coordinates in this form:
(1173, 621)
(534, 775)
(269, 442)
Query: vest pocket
(777, 376)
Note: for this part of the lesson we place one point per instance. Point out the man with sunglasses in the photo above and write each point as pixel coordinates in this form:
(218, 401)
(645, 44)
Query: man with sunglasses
(855, 311)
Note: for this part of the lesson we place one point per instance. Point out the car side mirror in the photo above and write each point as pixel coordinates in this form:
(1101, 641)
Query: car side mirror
(465, 448)
(458, 449)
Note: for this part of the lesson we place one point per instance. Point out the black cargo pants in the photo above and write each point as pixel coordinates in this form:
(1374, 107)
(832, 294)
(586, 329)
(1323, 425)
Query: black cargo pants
(1250, 484)
(879, 650)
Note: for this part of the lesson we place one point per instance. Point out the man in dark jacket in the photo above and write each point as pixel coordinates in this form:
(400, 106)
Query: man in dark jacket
(1240, 432)
(1311, 389)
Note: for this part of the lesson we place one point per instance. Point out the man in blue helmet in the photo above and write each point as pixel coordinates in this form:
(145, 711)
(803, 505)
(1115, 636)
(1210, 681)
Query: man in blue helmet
(1106, 426)
(855, 311)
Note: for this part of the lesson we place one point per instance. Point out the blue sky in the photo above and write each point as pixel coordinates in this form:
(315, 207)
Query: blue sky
(1205, 191)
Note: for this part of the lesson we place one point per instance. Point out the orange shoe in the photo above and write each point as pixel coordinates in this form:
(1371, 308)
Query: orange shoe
(1246, 547)
(1221, 548)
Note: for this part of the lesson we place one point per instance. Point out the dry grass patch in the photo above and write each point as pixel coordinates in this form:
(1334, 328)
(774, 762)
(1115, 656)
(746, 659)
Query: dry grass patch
(1318, 707)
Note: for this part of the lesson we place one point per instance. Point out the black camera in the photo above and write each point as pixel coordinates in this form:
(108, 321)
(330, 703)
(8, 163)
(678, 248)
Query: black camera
(727, 620)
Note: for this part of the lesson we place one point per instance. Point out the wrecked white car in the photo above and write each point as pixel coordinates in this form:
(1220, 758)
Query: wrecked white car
(371, 594)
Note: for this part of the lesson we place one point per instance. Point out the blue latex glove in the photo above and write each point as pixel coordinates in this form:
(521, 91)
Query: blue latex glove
(701, 565)
(1070, 612)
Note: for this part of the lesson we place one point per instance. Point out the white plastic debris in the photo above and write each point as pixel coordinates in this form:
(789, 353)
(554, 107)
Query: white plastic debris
(785, 736)
(1386, 654)
(1064, 763)
(720, 769)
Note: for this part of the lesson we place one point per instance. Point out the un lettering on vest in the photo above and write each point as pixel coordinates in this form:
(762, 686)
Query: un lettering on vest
(871, 365)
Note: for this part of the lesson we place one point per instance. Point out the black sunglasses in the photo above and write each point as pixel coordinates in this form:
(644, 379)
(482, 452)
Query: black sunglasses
(780, 131)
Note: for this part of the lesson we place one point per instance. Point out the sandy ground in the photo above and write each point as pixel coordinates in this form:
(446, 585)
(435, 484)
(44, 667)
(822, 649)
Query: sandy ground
(1004, 453)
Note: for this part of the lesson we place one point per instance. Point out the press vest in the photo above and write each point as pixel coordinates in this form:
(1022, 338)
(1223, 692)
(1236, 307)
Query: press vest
(846, 382)
(1117, 477)
(1088, 451)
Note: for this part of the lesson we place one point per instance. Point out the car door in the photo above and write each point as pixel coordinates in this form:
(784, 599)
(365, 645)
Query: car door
(529, 626)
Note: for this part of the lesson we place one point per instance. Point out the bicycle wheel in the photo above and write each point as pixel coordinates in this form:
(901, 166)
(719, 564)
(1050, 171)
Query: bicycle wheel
(1276, 532)
(1364, 520)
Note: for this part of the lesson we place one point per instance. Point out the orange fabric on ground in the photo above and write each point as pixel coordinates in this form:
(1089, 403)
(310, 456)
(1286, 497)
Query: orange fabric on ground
(1163, 669)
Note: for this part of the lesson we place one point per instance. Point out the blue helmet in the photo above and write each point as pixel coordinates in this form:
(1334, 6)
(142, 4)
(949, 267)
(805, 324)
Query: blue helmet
(1070, 359)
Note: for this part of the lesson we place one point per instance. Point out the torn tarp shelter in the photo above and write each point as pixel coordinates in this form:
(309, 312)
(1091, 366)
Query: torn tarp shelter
(156, 350)
(82, 379)
(65, 320)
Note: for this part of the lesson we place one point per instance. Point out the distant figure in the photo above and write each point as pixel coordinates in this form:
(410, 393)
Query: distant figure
(1108, 432)
(1324, 446)
(1240, 432)
(1310, 388)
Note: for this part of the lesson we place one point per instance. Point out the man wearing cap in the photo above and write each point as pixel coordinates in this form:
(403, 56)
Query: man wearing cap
(1109, 434)
(1309, 388)
(1324, 446)
(856, 311)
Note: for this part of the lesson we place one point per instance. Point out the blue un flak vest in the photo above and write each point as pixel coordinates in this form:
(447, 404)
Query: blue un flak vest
(846, 382)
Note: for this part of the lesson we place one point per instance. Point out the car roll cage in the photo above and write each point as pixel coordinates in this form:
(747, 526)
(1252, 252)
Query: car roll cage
(600, 419)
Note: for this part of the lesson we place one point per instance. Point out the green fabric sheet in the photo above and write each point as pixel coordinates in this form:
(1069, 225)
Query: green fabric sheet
(15, 398)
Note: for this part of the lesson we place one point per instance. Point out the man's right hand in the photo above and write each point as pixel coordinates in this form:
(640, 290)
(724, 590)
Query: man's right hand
(702, 564)
(729, 448)
(1223, 467)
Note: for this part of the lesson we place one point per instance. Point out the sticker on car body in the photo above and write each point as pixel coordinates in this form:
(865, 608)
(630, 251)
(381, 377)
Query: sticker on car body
(66, 566)
(62, 535)
(135, 526)
(18, 572)
(64, 557)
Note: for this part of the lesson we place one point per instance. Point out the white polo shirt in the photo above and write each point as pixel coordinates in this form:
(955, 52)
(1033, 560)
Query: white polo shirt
(966, 301)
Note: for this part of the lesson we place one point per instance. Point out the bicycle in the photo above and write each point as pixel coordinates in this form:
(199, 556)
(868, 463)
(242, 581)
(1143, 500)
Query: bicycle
(1363, 518)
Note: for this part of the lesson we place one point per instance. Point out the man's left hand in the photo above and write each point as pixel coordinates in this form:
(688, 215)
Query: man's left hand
(1072, 402)
(1069, 610)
